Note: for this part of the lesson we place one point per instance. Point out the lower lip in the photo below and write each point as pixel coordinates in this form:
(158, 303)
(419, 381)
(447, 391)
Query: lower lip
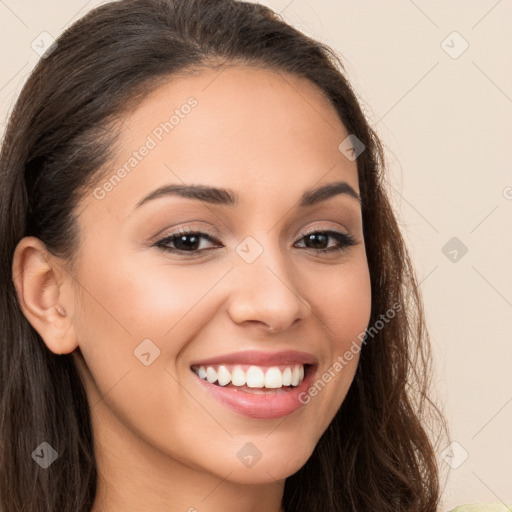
(260, 406)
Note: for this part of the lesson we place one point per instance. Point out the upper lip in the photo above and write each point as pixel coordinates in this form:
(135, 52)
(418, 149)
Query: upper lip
(259, 358)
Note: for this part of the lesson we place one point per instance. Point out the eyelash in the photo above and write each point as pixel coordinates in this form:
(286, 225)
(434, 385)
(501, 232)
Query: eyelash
(345, 240)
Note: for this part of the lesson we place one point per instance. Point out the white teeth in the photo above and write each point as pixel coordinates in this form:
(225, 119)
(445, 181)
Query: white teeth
(287, 377)
(237, 377)
(255, 377)
(295, 376)
(211, 374)
(223, 375)
(273, 378)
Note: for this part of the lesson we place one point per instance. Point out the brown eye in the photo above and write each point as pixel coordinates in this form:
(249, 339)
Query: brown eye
(185, 241)
(319, 240)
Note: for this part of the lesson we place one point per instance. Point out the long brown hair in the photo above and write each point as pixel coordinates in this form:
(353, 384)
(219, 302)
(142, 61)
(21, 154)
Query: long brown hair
(378, 453)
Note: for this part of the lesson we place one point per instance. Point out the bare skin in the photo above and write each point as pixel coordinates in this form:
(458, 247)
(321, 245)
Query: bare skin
(162, 443)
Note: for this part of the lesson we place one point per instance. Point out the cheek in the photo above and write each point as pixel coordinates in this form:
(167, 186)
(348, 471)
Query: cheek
(131, 297)
(343, 303)
(124, 309)
(134, 313)
(343, 306)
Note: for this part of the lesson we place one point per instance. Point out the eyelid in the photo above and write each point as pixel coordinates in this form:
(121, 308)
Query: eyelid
(213, 233)
(324, 228)
(186, 230)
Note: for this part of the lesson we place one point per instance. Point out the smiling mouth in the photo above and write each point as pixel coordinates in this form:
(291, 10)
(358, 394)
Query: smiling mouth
(273, 379)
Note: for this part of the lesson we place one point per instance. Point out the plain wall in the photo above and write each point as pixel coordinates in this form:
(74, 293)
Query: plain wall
(445, 120)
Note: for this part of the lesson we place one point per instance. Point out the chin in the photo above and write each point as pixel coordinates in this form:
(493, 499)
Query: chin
(267, 466)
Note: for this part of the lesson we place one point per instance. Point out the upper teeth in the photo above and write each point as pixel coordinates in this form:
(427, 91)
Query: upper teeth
(253, 376)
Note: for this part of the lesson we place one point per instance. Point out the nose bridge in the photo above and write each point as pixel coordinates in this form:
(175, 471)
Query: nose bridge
(264, 288)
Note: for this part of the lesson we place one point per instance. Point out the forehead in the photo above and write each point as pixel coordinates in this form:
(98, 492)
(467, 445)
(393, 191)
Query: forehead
(238, 127)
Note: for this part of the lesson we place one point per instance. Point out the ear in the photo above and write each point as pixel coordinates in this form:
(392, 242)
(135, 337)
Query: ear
(45, 294)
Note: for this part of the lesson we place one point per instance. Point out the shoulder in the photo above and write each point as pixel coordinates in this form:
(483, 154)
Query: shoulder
(483, 507)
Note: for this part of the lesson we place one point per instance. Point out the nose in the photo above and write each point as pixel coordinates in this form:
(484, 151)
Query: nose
(266, 293)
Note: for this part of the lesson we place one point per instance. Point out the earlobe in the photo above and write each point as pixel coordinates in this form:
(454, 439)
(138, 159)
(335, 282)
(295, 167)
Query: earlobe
(41, 296)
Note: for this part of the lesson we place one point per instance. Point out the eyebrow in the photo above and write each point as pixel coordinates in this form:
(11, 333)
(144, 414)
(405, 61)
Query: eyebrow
(226, 197)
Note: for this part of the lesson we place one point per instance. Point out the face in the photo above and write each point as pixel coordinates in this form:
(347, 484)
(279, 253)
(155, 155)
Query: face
(197, 313)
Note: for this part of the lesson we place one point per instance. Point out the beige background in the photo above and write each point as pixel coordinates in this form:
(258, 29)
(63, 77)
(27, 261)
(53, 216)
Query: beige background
(447, 125)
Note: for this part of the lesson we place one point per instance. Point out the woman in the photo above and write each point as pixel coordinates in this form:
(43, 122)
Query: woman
(206, 300)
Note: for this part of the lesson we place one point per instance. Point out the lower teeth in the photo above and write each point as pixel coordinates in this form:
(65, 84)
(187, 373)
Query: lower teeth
(262, 391)
(258, 391)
